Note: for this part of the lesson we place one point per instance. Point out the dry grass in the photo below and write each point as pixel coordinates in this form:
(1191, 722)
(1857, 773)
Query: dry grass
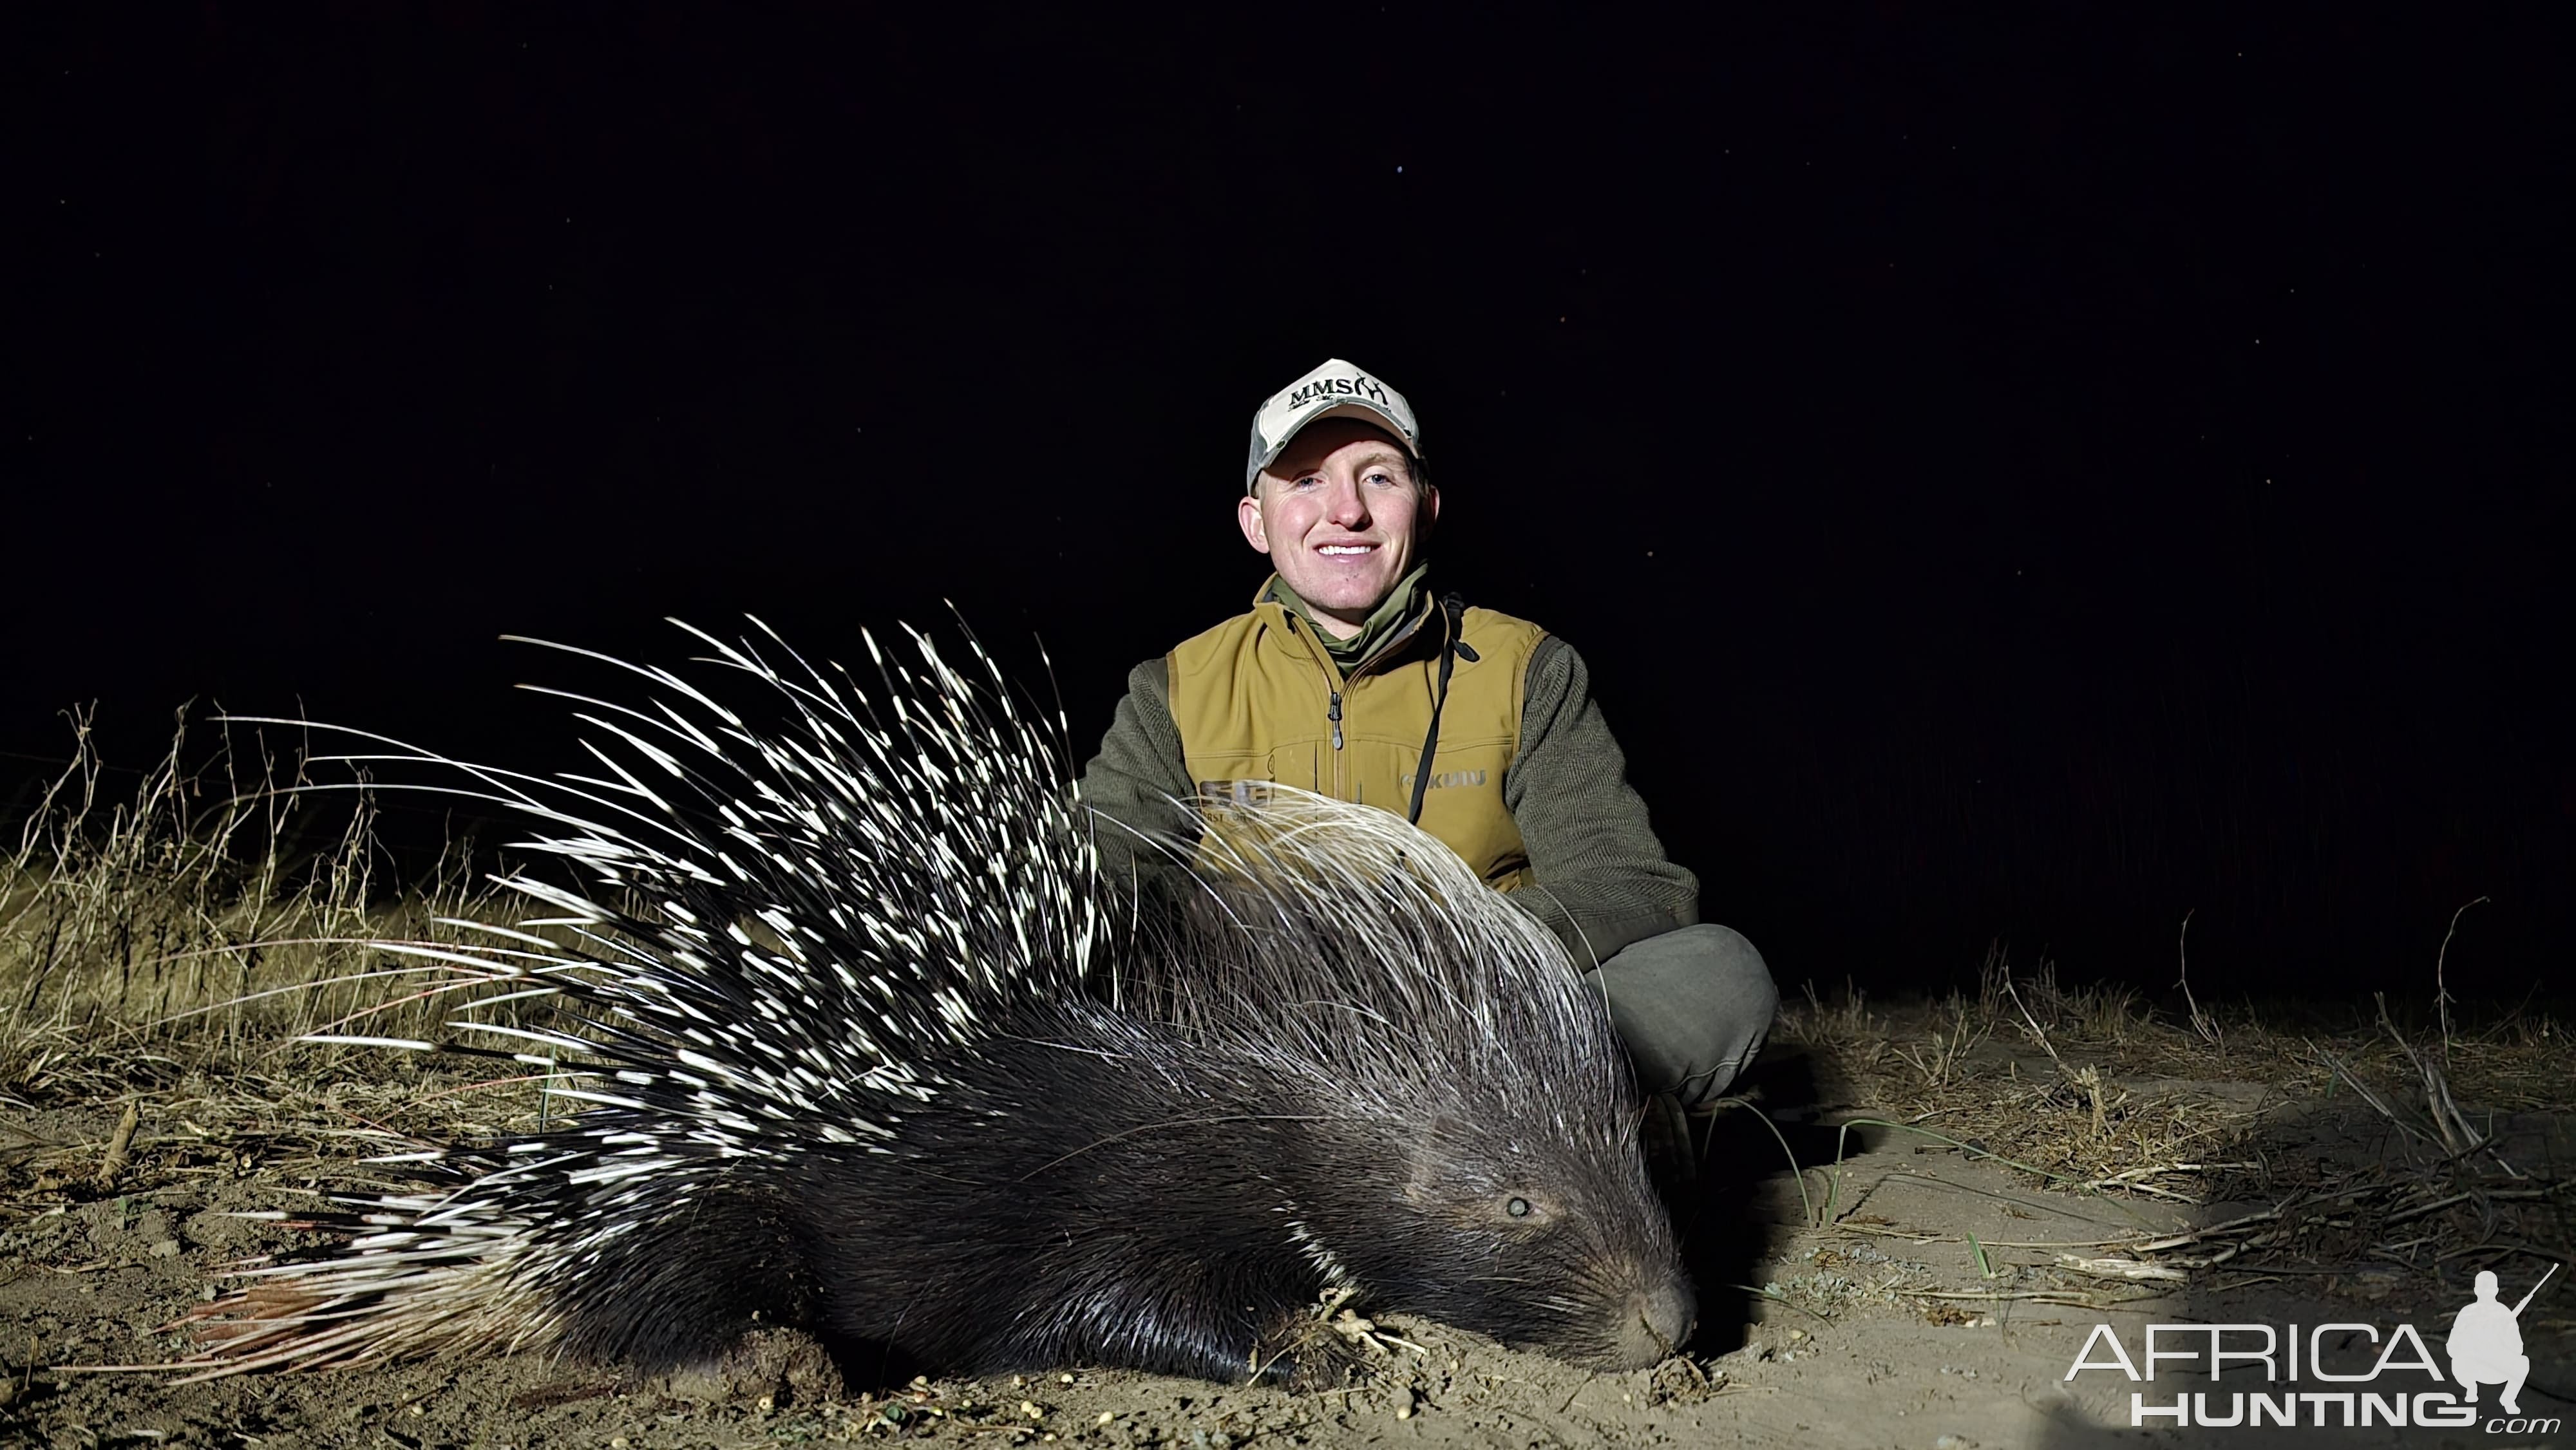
(160, 951)
(2349, 1145)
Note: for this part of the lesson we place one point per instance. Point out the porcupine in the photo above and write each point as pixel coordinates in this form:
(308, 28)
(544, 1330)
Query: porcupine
(865, 1043)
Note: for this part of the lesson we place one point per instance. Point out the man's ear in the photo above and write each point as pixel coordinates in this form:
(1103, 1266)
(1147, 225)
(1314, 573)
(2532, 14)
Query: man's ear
(1247, 516)
(1428, 511)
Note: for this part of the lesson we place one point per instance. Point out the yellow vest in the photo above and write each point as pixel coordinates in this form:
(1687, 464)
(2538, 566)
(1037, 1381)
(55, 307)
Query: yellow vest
(1257, 699)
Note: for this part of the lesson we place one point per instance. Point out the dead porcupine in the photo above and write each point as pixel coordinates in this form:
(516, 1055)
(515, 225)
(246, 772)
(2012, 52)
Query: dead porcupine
(866, 1045)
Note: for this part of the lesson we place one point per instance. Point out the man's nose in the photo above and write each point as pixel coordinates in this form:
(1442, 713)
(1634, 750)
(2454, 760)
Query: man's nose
(1346, 506)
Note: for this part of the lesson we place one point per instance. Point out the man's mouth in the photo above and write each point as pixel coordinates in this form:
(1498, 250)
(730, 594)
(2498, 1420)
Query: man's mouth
(1345, 551)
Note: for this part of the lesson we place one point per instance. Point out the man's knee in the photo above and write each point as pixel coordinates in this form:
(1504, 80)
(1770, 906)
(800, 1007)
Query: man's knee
(1694, 1007)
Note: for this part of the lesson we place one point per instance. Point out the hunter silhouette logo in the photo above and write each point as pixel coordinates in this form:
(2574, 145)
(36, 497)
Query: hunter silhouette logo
(2486, 1344)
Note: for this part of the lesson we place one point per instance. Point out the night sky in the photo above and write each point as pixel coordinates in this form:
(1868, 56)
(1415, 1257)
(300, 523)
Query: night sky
(2015, 476)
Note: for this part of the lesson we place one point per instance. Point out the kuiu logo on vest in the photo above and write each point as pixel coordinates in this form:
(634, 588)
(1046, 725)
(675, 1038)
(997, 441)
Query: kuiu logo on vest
(1322, 388)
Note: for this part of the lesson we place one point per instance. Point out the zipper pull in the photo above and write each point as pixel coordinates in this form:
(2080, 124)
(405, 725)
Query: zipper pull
(1335, 715)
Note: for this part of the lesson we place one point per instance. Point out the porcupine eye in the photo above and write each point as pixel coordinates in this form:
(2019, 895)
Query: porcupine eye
(1525, 1214)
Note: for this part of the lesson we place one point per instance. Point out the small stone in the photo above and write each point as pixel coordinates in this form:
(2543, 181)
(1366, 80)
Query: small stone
(1954, 1442)
(166, 1249)
(617, 1442)
(1105, 1417)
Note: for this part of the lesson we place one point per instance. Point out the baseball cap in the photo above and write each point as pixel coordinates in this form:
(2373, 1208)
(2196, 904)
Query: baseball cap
(1338, 389)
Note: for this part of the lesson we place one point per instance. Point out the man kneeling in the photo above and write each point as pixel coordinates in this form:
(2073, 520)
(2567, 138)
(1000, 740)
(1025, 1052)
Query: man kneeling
(1348, 677)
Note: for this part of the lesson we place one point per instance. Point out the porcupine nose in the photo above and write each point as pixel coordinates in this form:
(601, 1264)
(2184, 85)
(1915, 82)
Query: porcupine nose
(1655, 1323)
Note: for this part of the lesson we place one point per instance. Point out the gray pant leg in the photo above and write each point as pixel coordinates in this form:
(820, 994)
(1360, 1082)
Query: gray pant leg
(1693, 1005)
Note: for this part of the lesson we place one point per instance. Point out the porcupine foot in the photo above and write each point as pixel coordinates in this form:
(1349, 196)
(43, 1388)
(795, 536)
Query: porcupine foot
(1308, 1349)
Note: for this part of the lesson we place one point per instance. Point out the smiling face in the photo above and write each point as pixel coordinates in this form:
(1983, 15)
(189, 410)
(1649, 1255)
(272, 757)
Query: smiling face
(1342, 519)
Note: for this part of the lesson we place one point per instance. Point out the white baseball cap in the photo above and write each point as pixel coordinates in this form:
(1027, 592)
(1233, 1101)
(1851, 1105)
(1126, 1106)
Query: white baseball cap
(1336, 390)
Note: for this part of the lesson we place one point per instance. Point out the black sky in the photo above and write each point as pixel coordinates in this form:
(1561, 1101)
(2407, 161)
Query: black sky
(2020, 475)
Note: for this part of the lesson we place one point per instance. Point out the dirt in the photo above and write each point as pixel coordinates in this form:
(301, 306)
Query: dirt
(1933, 1311)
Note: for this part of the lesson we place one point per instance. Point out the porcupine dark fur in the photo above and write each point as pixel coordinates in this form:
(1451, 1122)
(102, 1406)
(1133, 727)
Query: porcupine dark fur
(864, 1043)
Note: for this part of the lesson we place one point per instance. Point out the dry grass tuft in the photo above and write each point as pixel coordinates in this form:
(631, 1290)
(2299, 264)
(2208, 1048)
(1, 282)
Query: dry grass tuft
(159, 955)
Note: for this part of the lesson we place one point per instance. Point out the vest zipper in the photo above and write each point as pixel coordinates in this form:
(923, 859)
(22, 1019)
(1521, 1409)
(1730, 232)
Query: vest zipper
(1333, 709)
(1365, 667)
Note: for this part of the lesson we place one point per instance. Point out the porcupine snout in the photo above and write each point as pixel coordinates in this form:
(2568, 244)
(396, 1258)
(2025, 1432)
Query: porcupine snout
(1656, 1322)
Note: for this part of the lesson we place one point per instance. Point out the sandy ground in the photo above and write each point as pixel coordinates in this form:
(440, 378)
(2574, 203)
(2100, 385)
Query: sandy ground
(1891, 1326)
